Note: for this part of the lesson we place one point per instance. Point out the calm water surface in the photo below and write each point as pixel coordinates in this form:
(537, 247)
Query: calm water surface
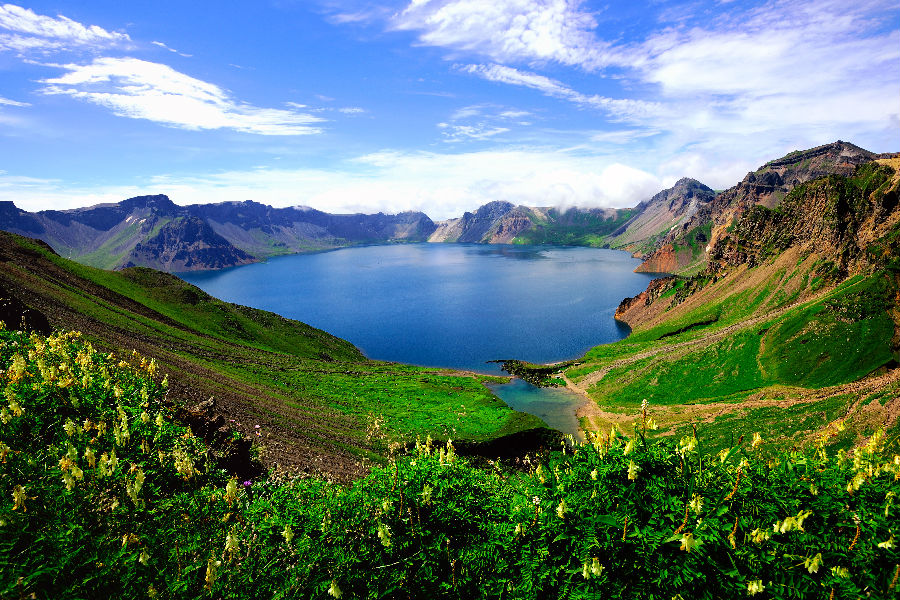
(446, 305)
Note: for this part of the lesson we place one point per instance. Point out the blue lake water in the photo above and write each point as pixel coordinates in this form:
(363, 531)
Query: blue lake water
(445, 305)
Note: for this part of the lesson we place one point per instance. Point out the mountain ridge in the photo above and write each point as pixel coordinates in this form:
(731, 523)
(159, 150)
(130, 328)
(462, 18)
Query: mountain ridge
(672, 231)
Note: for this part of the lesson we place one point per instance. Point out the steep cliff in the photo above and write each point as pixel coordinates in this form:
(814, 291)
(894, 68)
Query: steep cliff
(767, 186)
(471, 227)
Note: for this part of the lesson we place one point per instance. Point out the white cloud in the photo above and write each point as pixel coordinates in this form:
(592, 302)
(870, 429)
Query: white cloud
(618, 109)
(31, 31)
(441, 185)
(8, 102)
(138, 89)
(786, 75)
(557, 31)
(480, 122)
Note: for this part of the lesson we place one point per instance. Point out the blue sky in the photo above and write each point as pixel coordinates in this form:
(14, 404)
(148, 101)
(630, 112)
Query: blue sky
(434, 105)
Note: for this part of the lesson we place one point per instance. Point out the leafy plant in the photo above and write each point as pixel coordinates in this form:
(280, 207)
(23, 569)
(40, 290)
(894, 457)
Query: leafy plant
(102, 494)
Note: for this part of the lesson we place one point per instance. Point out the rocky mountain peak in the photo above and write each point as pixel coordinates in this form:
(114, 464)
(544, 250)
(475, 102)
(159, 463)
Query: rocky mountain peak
(157, 202)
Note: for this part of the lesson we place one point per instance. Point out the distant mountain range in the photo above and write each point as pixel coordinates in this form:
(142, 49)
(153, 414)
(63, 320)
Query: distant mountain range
(672, 229)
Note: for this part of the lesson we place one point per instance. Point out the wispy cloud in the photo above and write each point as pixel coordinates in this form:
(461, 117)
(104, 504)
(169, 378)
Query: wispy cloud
(29, 31)
(618, 109)
(8, 102)
(459, 133)
(559, 31)
(165, 47)
(138, 89)
(481, 122)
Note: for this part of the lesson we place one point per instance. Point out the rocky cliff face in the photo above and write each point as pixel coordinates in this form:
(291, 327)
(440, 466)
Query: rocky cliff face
(472, 227)
(660, 215)
(187, 244)
(767, 187)
(835, 216)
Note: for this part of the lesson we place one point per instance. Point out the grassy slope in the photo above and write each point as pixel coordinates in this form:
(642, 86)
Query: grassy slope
(783, 366)
(771, 347)
(314, 395)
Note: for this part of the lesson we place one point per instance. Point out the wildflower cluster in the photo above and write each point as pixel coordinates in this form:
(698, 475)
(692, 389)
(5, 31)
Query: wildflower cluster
(101, 494)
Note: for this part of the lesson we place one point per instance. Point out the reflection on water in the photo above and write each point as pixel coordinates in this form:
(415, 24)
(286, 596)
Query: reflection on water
(515, 252)
(556, 406)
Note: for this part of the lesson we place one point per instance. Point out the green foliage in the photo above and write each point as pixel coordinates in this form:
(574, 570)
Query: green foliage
(618, 517)
(574, 228)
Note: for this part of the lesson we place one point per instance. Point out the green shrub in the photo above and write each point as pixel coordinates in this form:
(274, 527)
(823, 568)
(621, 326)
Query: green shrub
(617, 517)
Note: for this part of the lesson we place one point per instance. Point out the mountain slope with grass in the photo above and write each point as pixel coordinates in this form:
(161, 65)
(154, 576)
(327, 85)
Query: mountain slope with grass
(312, 401)
(792, 326)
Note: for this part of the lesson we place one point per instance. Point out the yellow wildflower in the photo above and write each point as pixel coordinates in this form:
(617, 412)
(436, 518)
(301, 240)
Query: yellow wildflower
(687, 444)
(758, 536)
(757, 442)
(633, 470)
(586, 570)
(211, 566)
(813, 564)
(144, 558)
(755, 587)
(696, 503)
(145, 417)
(231, 490)
(596, 567)
(688, 542)
(287, 534)
(888, 543)
(629, 448)
(333, 590)
(16, 368)
(594, 474)
(19, 498)
(561, 510)
(90, 457)
(231, 542)
(842, 572)
(16, 408)
(384, 534)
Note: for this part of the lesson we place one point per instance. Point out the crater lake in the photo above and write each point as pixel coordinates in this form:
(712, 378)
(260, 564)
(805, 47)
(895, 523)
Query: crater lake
(450, 305)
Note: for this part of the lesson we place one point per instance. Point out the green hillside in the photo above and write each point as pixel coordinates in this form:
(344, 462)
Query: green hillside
(793, 326)
(315, 397)
(104, 494)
